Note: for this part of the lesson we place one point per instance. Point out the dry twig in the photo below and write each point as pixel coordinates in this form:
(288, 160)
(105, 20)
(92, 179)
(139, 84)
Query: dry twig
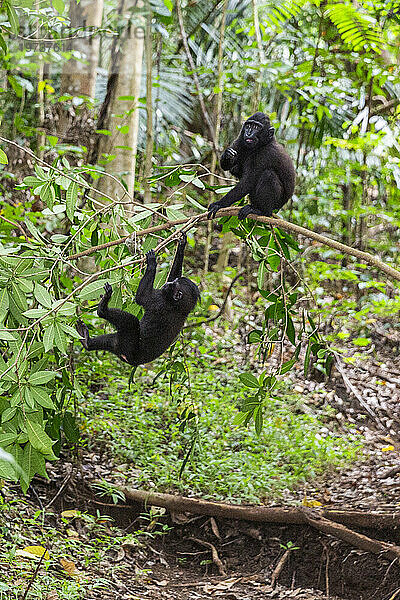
(216, 559)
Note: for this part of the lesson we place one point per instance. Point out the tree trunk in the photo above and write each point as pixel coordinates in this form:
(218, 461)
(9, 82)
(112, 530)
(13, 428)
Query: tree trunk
(121, 112)
(80, 77)
(149, 107)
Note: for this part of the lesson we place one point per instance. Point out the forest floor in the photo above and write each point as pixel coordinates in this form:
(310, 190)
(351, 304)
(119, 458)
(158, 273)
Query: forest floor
(127, 552)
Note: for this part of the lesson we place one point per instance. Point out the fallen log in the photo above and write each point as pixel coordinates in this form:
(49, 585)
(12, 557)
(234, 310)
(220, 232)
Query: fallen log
(327, 521)
(261, 514)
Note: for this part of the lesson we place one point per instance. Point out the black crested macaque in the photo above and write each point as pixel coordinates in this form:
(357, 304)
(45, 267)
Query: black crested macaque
(264, 169)
(165, 311)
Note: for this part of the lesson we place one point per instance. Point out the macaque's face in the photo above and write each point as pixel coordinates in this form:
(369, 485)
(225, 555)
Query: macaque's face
(251, 133)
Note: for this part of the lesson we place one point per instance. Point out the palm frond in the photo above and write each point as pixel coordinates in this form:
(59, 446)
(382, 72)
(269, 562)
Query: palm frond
(358, 30)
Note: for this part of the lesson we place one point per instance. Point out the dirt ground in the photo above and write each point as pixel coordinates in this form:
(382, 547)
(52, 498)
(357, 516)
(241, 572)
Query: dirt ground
(204, 557)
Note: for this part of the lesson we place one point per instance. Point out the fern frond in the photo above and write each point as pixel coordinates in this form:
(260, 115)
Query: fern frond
(356, 29)
(281, 12)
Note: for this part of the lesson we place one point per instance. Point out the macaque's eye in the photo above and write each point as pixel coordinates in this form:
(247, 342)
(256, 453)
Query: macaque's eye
(178, 295)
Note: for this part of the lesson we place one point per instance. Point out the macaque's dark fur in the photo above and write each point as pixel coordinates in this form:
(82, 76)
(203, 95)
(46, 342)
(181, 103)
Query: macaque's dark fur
(165, 310)
(264, 169)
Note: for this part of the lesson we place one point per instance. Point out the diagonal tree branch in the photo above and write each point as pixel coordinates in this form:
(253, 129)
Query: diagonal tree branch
(191, 222)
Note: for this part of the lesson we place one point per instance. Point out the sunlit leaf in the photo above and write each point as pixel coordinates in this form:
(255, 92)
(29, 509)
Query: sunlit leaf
(33, 552)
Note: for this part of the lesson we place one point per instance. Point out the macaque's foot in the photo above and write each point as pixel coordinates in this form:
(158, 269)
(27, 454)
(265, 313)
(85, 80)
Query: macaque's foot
(151, 258)
(107, 291)
(83, 332)
(213, 209)
(182, 240)
(245, 211)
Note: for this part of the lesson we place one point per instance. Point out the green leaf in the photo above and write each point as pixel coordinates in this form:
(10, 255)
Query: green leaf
(198, 183)
(70, 331)
(361, 341)
(273, 259)
(48, 338)
(307, 359)
(32, 181)
(254, 336)
(290, 331)
(70, 427)
(33, 462)
(59, 338)
(38, 437)
(48, 195)
(287, 366)
(41, 377)
(58, 238)
(33, 230)
(92, 290)
(29, 399)
(52, 140)
(7, 469)
(258, 420)
(42, 397)
(7, 438)
(289, 240)
(42, 295)
(194, 202)
(19, 297)
(3, 45)
(249, 380)
(262, 270)
(3, 157)
(12, 17)
(240, 419)
(15, 311)
(59, 6)
(7, 335)
(250, 404)
(35, 313)
(4, 304)
(66, 309)
(8, 414)
(187, 178)
(71, 199)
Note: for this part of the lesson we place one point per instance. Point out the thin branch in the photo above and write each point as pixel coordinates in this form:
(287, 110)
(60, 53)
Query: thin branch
(62, 487)
(358, 540)
(34, 575)
(17, 226)
(216, 559)
(364, 257)
(135, 234)
(199, 24)
(353, 390)
(278, 569)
